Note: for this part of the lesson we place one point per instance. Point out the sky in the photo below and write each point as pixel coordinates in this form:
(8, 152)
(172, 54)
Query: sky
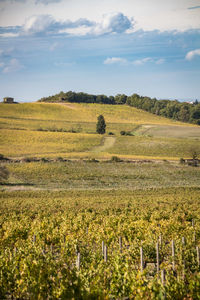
(149, 47)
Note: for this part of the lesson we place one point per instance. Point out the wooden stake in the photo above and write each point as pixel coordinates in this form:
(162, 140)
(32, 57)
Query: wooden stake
(192, 222)
(120, 244)
(163, 277)
(141, 260)
(105, 253)
(160, 240)
(194, 236)
(198, 259)
(102, 248)
(183, 260)
(78, 261)
(34, 238)
(157, 257)
(173, 255)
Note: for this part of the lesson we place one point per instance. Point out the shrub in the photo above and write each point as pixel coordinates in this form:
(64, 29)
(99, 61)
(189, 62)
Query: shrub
(116, 159)
(123, 132)
(182, 160)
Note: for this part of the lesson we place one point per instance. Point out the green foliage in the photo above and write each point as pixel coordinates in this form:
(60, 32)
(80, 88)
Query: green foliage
(41, 233)
(116, 159)
(120, 99)
(83, 175)
(128, 133)
(182, 161)
(101, 125)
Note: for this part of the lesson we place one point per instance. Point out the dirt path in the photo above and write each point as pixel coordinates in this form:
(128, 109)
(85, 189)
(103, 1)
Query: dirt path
(107, 143)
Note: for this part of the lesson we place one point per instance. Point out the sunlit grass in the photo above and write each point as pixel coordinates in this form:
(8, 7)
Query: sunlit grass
(102, 175)
(153, 147)
(26, 143)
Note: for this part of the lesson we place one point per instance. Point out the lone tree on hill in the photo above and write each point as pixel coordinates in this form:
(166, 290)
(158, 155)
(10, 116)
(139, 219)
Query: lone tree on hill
(101, 125)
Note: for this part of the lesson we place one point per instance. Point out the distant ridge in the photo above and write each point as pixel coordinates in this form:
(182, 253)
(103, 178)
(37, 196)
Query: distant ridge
(188, 112)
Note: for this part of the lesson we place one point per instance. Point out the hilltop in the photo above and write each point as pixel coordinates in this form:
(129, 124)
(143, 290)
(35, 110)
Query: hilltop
(188, 112)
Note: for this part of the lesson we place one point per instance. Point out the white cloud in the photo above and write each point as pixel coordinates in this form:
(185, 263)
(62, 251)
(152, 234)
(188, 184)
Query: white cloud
(110, 23)
(12, 66)
(114, 60)
(47, 25)
(113, 23)
(9, 35)
(191, 54)
(160, 61)
(78, 31)
(138, 62)
(142, 61)
(149, 15)
(38, 24)
(2, 65)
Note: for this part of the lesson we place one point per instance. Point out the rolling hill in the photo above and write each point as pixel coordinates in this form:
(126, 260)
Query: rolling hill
(69, 130)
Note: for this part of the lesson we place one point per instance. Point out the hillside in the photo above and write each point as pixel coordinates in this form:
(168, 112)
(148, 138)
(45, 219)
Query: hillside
(69, 130)
(188, 112)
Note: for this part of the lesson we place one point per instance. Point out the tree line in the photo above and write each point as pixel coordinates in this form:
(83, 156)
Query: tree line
(173, 109)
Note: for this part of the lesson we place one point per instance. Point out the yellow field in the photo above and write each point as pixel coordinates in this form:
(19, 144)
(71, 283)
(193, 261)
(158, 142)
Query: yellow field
(43, 129)
(79, 112)
(31, 143)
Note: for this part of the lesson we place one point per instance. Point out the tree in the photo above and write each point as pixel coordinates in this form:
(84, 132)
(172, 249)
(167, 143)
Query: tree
(101, 125)
(120, 99)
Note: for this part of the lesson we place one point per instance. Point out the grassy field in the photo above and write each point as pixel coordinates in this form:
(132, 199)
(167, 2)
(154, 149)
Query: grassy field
(169, 131)
(154, 147)
(68, 130)
(80, 113)
(20, 143)
(102, 175)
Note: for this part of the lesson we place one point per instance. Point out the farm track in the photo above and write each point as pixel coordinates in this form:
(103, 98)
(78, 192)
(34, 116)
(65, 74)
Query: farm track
(107, 142)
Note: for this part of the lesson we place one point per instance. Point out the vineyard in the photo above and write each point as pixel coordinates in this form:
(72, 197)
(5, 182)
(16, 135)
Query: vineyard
(100, 245)
(90, 216)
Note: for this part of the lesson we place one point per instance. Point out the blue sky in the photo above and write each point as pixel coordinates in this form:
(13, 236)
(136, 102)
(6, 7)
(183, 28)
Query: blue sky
(149, 47)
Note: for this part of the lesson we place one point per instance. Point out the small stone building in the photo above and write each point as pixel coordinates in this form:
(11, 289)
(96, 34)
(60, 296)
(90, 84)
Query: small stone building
(8, 100)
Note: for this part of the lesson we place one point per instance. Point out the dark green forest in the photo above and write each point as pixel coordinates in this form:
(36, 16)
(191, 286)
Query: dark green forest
(173, 109)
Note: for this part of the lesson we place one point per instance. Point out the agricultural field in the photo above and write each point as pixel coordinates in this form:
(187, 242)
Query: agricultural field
(89, 216)
(169, 131)
(36, 143)
(154, 147)
(89, 175)
(106, 244)
(69, 130)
